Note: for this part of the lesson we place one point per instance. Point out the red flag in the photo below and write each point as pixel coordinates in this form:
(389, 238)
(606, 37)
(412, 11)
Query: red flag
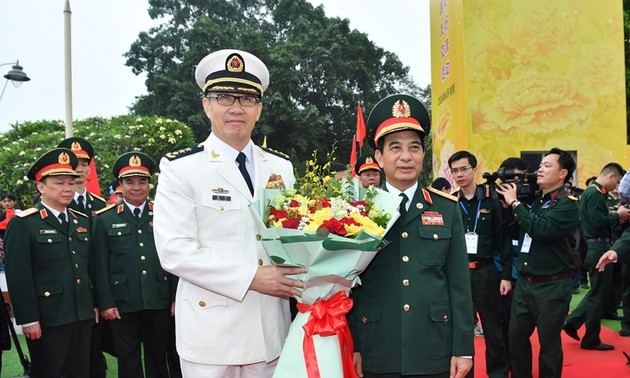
(360, 135)
(353, 155)
(92, 184)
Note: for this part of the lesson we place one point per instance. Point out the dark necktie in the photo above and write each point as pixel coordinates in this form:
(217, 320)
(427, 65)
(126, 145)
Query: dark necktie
(64, 223)
(136, 212)
(240, 159)
(80, 200)
(403, 205)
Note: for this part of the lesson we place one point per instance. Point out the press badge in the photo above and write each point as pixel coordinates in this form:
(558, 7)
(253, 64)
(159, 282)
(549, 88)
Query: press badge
(472, 238)
(527, 243)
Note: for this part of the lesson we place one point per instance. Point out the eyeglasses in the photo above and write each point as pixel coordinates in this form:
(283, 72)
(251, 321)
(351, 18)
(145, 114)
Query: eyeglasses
(246, 101)
(463, 169)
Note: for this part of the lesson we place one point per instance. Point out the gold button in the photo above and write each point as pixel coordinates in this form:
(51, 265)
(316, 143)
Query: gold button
(260, 262)
(143, 258)
(115, 283)
(141, 244)
(364, 319)
(525, 263)
(78, 281)
(139, 231)
(119, 233)
(70, 239)
(87, 239)
(165, 278)
(221, 208)
(76, 266)
(74, 252)
(258, 237)
(50, 240)
(404, 235)
(405, 258)
(435, 237)
(406, 307)
(445, 319)
(405, 282)
(144, 272)
(202, 304)
(46, 294)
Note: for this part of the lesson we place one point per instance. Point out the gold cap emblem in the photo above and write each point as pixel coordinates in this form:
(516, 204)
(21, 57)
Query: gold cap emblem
(64, 158)
(401, 109)
(134, 161)
(75, 146)
(234, 64)
(368, 160)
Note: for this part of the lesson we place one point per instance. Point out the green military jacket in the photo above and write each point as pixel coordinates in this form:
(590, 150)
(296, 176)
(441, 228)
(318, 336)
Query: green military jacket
(94, 204)
(48, 268)
(483, 216)
(413, 310)
(549, 222)
(128, 272)
(597, 219)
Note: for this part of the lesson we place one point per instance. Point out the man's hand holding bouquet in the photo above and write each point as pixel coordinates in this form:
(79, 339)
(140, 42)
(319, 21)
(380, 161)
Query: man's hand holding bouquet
(323, 226)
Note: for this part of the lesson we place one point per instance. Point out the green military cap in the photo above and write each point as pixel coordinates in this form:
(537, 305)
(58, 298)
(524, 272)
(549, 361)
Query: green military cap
(397, 113)
(232, 71)
(365, 163)
(56, 162)
(81, 147)
(134, 164)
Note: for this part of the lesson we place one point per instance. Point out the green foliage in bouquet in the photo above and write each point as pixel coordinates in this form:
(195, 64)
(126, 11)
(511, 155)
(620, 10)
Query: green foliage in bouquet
(21, 146)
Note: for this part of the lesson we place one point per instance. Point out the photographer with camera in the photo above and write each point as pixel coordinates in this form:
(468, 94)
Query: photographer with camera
(484, 240)
(597, 222)
(545, 261)
(512, 170)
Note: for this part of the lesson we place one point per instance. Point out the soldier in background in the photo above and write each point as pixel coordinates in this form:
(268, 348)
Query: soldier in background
(135, 294)
(88, 203)
(48, 255)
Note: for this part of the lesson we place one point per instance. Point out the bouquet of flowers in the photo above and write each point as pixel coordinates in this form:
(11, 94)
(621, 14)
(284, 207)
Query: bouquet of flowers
(335, 238)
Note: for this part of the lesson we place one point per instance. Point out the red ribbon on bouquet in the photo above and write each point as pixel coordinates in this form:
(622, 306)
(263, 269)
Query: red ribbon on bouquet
(328, 318)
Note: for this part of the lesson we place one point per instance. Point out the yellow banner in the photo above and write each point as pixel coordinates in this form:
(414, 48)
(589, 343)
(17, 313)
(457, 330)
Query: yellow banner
(529, 76)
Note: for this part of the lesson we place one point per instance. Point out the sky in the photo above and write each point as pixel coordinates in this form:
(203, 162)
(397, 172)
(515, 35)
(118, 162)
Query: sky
(32, 31)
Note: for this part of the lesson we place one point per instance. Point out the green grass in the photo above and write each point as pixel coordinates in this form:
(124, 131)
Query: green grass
(12, 367)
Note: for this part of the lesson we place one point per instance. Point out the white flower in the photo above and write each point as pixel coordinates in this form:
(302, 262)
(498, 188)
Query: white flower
(178, 132)
(162, 136)
(22, 153)
(172, 140)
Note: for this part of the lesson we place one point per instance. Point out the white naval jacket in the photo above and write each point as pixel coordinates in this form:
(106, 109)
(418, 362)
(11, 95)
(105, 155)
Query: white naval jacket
(210, 244)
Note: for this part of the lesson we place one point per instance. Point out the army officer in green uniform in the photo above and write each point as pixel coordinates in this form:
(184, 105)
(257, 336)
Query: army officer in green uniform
(84, 201)
(134, 292)
(412, 315)
(545, 266)
(48, 255)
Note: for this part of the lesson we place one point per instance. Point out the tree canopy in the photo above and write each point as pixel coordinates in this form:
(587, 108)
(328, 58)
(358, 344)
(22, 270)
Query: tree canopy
(319, 68)
(111, 137)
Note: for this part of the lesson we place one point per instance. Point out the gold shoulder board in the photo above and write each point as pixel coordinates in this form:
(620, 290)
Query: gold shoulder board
(442, 194)
(27, 212)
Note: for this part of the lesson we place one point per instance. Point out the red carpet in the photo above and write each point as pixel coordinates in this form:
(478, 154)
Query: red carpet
(578, 363)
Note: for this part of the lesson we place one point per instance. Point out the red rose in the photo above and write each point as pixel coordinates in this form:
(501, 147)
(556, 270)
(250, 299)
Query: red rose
(294, 203)
(291, 223)
(335, 226)
(349, 221)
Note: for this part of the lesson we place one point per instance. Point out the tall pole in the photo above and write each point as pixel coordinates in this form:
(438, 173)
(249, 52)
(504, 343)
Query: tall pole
(67, 13)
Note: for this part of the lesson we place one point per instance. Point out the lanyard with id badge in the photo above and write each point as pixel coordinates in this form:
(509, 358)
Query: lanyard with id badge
(472, 238)
(527, 240)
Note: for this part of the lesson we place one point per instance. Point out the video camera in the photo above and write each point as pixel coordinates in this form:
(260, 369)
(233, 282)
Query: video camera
(526, 186)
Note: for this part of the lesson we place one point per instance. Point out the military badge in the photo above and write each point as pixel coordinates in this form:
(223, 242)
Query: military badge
(401, 109)
(82, 229)
(234, 63)
(432, 218)
(275, 181)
